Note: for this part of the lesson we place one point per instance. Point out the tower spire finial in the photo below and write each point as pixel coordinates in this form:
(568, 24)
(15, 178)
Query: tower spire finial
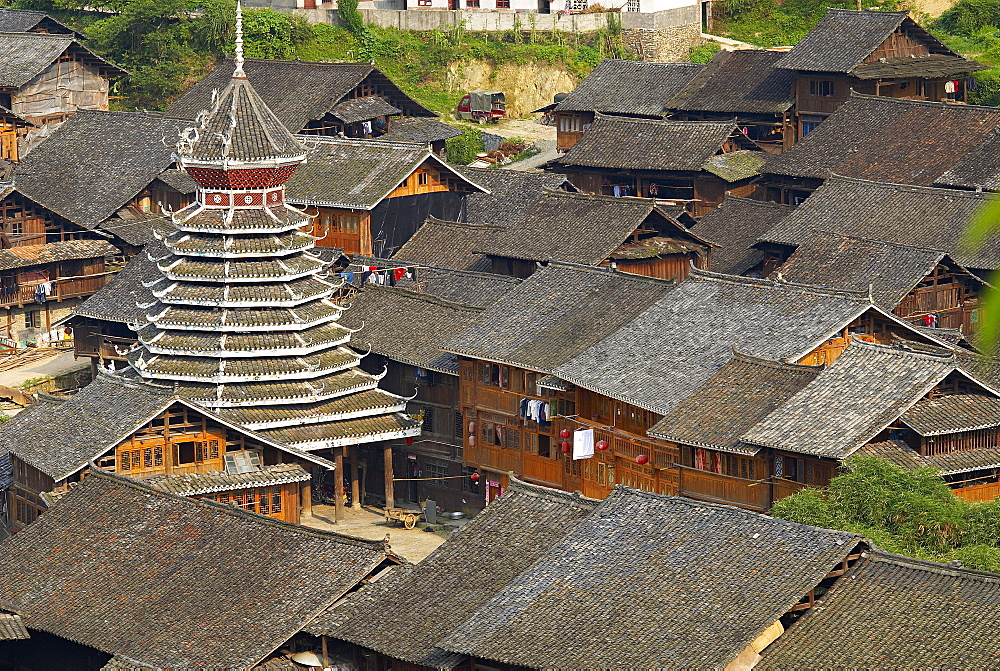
(238, 72)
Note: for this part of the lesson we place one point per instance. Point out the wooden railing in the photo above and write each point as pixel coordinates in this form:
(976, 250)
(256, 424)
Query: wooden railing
(543, 469)
(698, 484)
(782, 488)
(497, 459)
(25, 295)
(984, 492)
(498, 400)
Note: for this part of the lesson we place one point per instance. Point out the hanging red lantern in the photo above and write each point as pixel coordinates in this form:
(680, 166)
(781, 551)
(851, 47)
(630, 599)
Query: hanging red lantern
(409, 440)
(472, 440)
(565, 447)
(601, 445)
(475, 477)
(564, 434)
(472, 427)
(642, 459)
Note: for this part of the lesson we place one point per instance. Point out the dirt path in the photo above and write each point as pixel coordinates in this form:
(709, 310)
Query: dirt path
(369, 524)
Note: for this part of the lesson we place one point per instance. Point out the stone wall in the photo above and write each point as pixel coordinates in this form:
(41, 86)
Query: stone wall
(662, 44)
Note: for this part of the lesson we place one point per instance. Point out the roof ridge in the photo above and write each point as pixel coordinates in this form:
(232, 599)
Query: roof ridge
(877, 554)
(62, 36)
(866, 11)
(597, 269)
(427, 298)
(882, 242)
(542, 491)
(698, 273)
(896, 186)
(598, 197)
(661, 122)
(924, 103)
(755, 201)
(336, 139)
(901, 351)
(464, 224)
(98, 473)
(771, 363)
(694, 503)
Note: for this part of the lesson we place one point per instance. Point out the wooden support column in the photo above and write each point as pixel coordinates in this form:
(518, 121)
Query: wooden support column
(338, 487)
(355, 485)
(390, 497)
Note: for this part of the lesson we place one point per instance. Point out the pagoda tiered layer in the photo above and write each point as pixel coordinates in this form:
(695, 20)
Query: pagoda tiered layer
(244, 320)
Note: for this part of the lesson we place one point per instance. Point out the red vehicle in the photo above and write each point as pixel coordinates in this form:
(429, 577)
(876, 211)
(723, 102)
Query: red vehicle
(482, 106)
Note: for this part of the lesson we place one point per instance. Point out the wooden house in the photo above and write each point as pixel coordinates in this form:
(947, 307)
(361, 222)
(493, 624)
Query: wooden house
(625, 88)
(153, 435)
(895, 214)
(28, 21)
(369, 197)
(882, 612)
(924, 286)
(886, 140)
(627, 529)
(876, 53)
(690, 163)
(41, 284)
(113, 541)
(634, 235)
(49, 76)
(354, 99)
(11, 127)
(404, 327)
(735, 226)
(743, 85)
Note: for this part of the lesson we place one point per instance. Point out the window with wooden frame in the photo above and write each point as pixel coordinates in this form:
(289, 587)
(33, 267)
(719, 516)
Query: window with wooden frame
(503, 4)
(436, 469)
(428, 424)
(422, 178)
(27, 506)
(472, 4)
(821, 87)
(459, 425)
(494, 375)
(33, 319)
(423, 3)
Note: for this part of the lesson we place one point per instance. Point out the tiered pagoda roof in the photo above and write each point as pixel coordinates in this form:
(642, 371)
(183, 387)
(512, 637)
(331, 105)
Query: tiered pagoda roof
(243, 319)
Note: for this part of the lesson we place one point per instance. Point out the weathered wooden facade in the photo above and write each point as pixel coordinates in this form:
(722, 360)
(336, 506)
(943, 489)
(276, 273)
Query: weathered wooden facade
(877, 53)
(154, 436)
(369, 197)
(634, 235)
(626, 88)
(689, 163)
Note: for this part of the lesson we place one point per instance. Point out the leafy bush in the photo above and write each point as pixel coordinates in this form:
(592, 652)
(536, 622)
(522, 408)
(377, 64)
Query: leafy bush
(462, 150)
(703, 52)
(909, 512)
(968, 17)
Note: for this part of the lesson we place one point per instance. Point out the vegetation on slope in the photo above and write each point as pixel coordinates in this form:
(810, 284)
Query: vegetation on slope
(912, 513)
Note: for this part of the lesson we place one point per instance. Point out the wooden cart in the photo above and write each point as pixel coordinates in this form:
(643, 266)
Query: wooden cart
(404, 515)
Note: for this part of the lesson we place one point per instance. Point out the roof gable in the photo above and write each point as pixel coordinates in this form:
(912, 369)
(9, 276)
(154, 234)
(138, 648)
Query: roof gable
(297, 92)
(449, 244)
(53, 252)
(629, 87)
(539, 324)
(740, 81)
(735, 225)
(887, 139)
(644, 144)
(641, 555)
(25, 21)
(846, 37)
(95, 163)
(238, 602)
(930, 218)
(23, 56)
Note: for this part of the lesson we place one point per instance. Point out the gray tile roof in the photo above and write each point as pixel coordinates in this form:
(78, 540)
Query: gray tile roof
(297, 92)
(510, 193)
(845, 262)
(12, 627)
(868, 387)
(846, 37)
(357, 174)
(53, 252)
(23, 56)
(629, 87)
(26, 21)
(643, 144)
(95, 163)
(744, 81)
(539, 324)
(735, 226)
(465, 287)
(391, 616)
(240, 127)
(227, 604)
(651, 581)
(448, 244)
(735, 165)
(891, 611)
(418, 129)
(904, 215)
(954, 413)
(953, 463)
(582, 228)
(895, 452)
(978, 169)
(932, 66)
(406, 326)
(360, 109)
(740, 394)
(887, 139)
(197, 484)
(671, 347)
(59, 437)
(116, 301)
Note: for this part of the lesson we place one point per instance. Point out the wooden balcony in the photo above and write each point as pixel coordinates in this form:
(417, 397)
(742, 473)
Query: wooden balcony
(97, 346)
(986, 491)
(61, 290)
(708, 486)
